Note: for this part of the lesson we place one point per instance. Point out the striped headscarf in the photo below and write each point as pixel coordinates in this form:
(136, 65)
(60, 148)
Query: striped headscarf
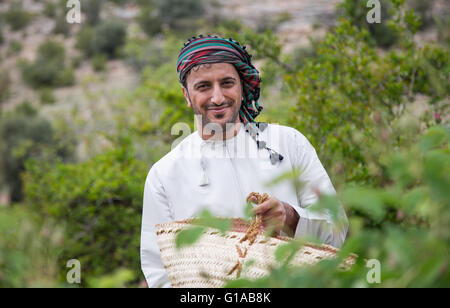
(203, 50)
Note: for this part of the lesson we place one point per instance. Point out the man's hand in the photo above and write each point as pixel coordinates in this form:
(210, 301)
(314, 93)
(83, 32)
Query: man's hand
(277, 215)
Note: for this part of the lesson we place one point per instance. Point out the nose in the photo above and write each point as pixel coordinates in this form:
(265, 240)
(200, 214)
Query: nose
(217, 95)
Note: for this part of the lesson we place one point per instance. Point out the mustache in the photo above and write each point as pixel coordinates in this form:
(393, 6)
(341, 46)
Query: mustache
(224, 104)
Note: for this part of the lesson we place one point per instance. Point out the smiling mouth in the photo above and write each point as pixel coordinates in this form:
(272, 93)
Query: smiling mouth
(218, 110)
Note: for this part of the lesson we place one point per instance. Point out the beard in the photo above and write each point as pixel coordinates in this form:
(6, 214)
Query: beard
(213, 122)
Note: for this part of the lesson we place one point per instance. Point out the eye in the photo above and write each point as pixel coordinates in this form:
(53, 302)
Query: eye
(202, 87)
(229, 83)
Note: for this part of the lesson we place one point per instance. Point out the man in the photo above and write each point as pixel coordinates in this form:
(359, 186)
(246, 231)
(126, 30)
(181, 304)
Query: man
(230, 156)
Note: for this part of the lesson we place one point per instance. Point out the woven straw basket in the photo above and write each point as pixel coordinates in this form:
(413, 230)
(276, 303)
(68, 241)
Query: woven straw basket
(207, 263)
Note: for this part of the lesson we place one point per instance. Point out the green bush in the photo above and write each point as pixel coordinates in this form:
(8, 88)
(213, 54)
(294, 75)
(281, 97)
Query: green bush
(100, 200)
(99, 62)
(180, 14)
(28, 249)
(141, 53)
(66, 78)
(61, 25)
(50, 9)
(352, 85)
(22, 136)
(51, 50)
(172, 10)
(418, 198)
(433, 72)
(272, 22)
(14, 47)
(76, 61)
(46, 96)
(149, 21)
(231, 24)
(340, 81)
(108, 37)
(17, 17)
(84, 40)
(150, 111)
(424, 10)
(49, 67)
(442, 24)
(356, 12)
(163, 88)
(5, 84)
(26, 109)
(41, 73)
(92, 9)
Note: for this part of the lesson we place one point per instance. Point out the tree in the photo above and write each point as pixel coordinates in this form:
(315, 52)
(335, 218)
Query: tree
(22, 137)
(100, 201)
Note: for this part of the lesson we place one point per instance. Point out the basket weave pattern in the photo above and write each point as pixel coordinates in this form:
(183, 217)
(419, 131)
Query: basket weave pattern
(206, 263)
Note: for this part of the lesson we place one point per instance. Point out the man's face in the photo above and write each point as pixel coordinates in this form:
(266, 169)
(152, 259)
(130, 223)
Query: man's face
(214, 91)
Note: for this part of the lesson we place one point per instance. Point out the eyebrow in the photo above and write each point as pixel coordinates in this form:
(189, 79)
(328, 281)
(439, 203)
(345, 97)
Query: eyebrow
(206, 81)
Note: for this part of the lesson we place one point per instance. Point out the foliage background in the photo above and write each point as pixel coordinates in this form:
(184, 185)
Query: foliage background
(373, 99)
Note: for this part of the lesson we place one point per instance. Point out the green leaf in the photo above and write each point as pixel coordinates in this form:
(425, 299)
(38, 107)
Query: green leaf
(188, 236)
(400, 171)
(414, 197)
(118, 279)
(366, 200)
(285, 252)
(434, 138)
(437, 174)
(329, 204)
(282, 252)
(248, 211)
(206, 219)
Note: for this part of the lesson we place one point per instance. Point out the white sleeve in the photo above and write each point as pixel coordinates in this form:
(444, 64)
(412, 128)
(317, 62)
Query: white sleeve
(315, 179)
(156, 210)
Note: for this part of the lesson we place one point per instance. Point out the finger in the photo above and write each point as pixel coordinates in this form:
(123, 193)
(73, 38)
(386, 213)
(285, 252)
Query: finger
(270, 221)
(272, 216)
(252, 198)
(275, 212)
(263, 208)
(270, 208)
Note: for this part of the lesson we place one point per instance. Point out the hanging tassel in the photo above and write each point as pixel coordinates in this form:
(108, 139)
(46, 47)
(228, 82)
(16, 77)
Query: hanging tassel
(204, 181)
(274, 156)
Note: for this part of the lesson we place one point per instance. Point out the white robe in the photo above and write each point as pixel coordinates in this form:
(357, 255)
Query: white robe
(218, 175)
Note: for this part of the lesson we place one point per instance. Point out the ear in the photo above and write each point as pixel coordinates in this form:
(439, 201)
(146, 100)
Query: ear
(186, 96)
